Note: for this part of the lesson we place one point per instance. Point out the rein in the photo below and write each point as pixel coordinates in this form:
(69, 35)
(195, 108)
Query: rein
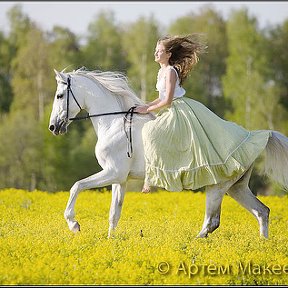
(130, 113)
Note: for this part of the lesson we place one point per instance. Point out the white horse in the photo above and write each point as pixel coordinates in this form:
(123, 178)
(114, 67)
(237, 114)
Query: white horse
(103, 95)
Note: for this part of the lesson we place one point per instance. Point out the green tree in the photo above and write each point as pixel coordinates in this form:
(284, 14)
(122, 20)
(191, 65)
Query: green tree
(139, 40)
(18, 131)
(276, 46)
(19, 151)
(6, 95)
(30, 68)
(103, 50)
(19, 24)
(63, 49)
(252, 96)
(277, 72)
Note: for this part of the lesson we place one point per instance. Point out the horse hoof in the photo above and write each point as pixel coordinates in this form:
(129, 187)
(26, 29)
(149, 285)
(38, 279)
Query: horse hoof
(201, 235)
(75, 227)
(111, 233)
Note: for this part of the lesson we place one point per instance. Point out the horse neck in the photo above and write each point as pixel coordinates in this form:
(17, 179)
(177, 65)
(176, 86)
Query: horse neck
(98, 100)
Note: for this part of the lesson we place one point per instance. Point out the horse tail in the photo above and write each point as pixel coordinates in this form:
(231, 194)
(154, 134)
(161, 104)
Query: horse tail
(276, 160)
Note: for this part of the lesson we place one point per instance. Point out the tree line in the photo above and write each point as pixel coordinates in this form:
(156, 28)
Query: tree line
(243, 78)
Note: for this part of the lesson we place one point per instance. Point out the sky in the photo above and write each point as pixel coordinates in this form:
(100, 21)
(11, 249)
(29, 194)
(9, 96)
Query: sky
(76, 15)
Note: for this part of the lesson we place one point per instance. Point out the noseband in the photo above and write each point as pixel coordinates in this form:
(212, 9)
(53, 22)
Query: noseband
(127, 122)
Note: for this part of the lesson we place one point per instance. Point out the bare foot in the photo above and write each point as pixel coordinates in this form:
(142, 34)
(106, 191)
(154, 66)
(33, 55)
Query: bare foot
(146, 189)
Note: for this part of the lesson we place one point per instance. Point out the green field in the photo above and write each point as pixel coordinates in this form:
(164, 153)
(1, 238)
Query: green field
(36, 246)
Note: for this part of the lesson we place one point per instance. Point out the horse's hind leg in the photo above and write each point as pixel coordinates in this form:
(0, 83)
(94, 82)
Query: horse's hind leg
(214, 197)
(118, 192)
(241, 192)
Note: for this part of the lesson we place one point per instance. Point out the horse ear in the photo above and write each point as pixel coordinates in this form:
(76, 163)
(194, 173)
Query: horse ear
(60, 75)
(57, 74)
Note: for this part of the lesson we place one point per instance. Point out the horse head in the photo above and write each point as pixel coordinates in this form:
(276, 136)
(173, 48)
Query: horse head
(63, 109)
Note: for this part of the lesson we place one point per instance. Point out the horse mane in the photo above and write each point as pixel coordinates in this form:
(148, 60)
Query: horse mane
(115, 82)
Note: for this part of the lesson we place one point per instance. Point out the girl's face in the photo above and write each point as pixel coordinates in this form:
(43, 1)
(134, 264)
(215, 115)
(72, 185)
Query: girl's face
(161, 56)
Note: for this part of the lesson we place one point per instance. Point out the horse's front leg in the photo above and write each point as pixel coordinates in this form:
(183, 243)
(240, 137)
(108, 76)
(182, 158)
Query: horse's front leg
(103, 178)
(118, 192)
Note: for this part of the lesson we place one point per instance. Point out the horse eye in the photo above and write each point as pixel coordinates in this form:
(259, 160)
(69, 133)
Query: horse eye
(59, 96)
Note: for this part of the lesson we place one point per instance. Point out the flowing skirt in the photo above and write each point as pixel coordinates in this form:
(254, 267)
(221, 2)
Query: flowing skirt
(188, 147)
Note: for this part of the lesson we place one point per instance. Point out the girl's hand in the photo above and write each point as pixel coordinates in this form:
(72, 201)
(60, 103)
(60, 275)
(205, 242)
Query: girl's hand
(142, 109)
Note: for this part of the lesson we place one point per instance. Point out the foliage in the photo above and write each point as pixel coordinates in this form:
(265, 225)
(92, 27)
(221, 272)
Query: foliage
(30, 68)
(139, 41)
(5, 87)
(63, 49)
(244, 83)
(103, 50)
(19, 130)
(37, 247)
(278, 63)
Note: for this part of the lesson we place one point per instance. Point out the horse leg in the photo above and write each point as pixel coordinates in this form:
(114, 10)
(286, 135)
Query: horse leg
(214, 197)
(103, 178)
(241, 192)
(118, 192)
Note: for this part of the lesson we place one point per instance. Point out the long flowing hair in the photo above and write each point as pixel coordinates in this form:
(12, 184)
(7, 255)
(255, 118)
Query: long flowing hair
(185, 51)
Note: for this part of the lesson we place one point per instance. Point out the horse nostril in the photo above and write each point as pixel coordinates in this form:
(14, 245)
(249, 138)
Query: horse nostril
(51, 128)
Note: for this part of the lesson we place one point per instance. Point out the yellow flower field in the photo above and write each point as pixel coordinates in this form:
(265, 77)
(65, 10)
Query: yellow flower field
(36, 246)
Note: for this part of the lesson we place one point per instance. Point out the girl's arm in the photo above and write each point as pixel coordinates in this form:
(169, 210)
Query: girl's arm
(143, 108)
(156, 101)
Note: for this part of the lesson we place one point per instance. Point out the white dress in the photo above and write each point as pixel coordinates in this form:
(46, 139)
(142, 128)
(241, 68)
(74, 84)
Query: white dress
(161, 84)
(187, 146)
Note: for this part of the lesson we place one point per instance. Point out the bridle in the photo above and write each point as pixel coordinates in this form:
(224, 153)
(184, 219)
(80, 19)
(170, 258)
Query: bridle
(128, 113)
